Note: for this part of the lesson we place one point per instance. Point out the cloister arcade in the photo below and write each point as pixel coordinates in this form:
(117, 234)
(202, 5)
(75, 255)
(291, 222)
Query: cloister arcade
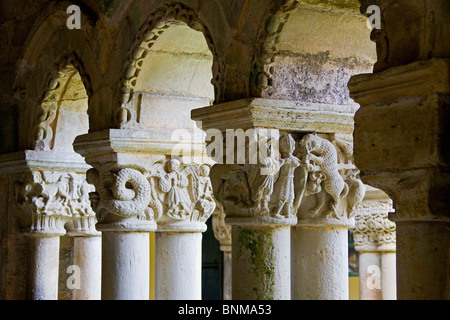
(109, 189)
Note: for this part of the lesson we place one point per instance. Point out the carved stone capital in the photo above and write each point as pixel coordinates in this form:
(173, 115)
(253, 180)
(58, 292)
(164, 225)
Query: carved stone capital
(297, 174)
(51, 194)
(122, 200)
(49, 202)
(142, 183)
(185, 193)
(262, 193)
(171, 196)
(373, 231)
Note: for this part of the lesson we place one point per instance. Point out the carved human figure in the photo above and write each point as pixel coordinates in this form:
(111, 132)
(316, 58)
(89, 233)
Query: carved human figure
(262, 181)
(283, 196)
(205, 203)
(175, 184)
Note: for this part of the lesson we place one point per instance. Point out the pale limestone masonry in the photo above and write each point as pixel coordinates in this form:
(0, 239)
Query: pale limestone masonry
(106, 133)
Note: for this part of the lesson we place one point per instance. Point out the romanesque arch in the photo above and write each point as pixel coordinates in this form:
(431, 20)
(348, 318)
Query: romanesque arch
(308, 54)
(162, 19)
(49, 61)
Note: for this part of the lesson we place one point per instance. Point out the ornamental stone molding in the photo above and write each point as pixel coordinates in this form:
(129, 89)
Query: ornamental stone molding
(263, 62)
(42, 136)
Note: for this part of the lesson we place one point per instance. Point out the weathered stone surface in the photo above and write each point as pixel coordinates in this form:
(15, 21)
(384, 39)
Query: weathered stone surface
(116, 90)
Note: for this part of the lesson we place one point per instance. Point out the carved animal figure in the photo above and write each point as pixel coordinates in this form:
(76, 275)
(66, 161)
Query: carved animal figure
(357, 191)
(118, 199)
(320, 155)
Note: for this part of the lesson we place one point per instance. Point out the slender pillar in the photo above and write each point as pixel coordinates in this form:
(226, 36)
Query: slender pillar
(178, 266)
(87, 256)
(260, 211)
(261, 264)
(125, 265)
(320, 263)
(375, 240)
(389, 275)
(326, 211)
(186, 196)
(125, 227)
(222, 232)
(44, 210)
(370, 275)
(44, 268)
(227, 274)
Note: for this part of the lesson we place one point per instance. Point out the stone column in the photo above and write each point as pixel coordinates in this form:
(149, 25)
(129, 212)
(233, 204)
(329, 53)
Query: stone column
(50, 189)
(222, 232)
(87, 245)
(185, 193)
(125, 209)
(332, 192)
(374, 237)
(261, 188)
(125, 220)
(399, 141)
(44, 267)
(87, 256)
(42, 218)
(143, 184)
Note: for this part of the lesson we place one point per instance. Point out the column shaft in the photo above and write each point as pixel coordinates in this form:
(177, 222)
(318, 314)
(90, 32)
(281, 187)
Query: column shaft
(227, 275)
(87, 256)
(125, 265)
(370, 284)
(178, 266)
(320, 263)
(388, 275)
(44, 268)
(261, 263)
